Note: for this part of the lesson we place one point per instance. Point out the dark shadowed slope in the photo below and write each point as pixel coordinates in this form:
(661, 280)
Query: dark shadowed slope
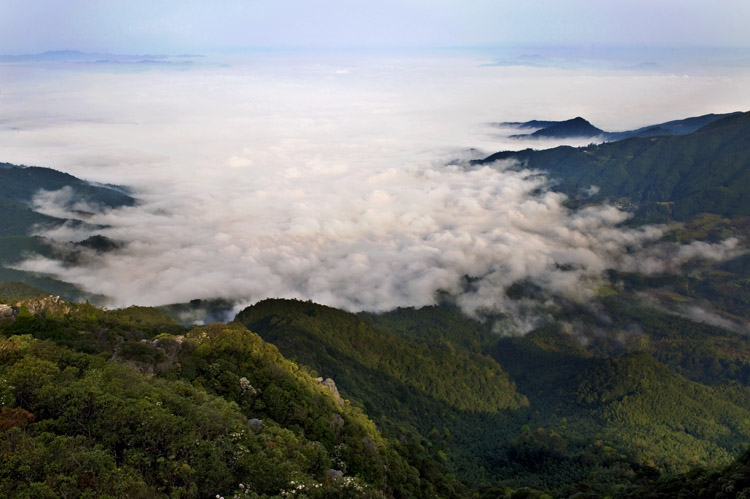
(706, 171)
(23, 183)
(577, 127)
(19, 221)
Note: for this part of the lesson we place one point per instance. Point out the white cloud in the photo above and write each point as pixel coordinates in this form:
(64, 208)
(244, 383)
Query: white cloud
(276, 179)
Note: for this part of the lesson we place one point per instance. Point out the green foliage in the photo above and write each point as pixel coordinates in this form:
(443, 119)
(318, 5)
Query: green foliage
(664, 419)
(230, 361)
(136, 316)
(589, 420)
(86, 328)
(699, 351)
(153, 409)
(466, 381)
(48, 284)
(441, 326)
(177, 439)
(706, 171)
(732, 480)
(228, 410)
(14, 291)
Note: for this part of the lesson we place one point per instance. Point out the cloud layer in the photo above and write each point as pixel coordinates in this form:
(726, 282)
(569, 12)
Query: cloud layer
(358, 240)
(338, 181)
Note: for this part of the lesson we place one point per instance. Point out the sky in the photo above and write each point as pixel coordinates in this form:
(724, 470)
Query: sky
(175, 26)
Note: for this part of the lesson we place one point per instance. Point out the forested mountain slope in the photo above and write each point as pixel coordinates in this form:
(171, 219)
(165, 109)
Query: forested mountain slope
(595, 412)
(126, 403)
(675, 176)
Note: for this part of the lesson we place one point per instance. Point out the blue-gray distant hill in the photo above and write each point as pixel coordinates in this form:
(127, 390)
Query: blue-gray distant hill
(19, 222)
(577, 127)
(678, 176)
(78, 57)
(21, 183)
(581, 128)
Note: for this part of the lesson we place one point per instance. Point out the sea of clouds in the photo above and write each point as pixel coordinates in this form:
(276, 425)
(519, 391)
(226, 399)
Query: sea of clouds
(341, 179)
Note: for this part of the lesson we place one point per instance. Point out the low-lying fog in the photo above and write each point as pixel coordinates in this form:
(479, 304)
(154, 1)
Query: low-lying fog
(337, 179)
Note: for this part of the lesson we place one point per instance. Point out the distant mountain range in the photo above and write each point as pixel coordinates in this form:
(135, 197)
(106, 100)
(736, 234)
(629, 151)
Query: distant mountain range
(97, 57)
(670, 176)
(581, 128)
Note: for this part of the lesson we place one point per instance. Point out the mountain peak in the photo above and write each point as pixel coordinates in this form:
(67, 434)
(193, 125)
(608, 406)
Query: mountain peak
(576, 127)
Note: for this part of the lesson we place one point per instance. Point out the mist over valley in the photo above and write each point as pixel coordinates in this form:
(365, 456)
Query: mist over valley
(343, 181)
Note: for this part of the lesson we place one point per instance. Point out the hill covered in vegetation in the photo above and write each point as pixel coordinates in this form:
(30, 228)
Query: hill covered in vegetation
(126, 403)
(668, 177)
(21, 220)
(581, 128)
(597, 412)
(425, 403)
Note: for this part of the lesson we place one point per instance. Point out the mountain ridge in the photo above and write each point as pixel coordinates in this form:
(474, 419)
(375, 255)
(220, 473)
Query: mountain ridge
(581, 128)
(676, 176)
(576, 127)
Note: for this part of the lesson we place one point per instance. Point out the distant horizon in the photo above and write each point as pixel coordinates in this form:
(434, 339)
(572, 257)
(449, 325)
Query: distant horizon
(678, 60)
(578, 48)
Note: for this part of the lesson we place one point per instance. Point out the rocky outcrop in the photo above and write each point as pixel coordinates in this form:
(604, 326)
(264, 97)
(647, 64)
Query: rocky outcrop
(7, 314)
(337, 424)
(333, 474)
(47, 305)
(255, 424)
(247, 388)
(330, 385)
(156, 356)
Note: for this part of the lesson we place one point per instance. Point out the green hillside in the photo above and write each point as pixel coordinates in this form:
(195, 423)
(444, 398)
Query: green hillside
(322, 337)
(596, 411)
(436, 325)
(19, 219)
(665, 419)
(127, 403)
(15, 291)
(674, 176)
(730, 481)
(49, 285)
(455, 411)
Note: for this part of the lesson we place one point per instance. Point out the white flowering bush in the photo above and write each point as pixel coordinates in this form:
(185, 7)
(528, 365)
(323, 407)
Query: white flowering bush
(344, 487)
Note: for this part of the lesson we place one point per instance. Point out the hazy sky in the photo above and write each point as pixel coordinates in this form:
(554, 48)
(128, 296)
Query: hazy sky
(127, 26)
